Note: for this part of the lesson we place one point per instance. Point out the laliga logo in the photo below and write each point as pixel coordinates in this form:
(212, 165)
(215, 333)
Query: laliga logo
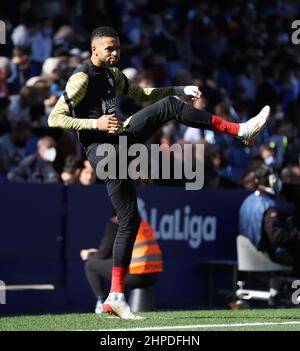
(296, 34)
(2, 32)
(180, 226)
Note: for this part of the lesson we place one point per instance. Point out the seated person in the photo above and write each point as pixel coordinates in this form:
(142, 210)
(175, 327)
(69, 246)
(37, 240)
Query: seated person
(72, 169)
(38, 167)
(266, 225)
(87, 174)
(144, 269)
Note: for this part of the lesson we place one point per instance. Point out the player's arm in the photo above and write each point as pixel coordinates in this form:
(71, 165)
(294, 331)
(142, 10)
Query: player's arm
(61, 115)
(279, 229)
(126, 87)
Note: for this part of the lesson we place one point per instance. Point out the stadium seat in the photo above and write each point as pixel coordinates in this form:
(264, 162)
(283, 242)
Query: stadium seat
(251, 260)
(142, 299)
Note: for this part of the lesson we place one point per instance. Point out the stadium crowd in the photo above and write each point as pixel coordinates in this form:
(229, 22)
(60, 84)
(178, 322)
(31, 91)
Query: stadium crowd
(239, 53)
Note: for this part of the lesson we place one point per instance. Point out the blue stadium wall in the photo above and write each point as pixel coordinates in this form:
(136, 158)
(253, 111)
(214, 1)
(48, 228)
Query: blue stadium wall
(43, 228)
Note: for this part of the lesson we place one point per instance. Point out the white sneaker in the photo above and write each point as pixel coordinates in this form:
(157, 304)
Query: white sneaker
(119, 307)
(250, 129)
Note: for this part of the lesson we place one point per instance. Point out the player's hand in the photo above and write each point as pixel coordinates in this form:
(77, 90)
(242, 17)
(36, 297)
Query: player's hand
(189, 90)
(192, 90)
(109, 123)
(85, 253)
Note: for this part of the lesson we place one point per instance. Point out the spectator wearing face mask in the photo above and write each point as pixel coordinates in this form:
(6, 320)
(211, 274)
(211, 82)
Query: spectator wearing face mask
(38, 167)
(268, 155)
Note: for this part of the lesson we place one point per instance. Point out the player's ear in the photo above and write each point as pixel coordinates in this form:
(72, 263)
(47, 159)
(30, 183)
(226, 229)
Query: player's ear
(94, 50)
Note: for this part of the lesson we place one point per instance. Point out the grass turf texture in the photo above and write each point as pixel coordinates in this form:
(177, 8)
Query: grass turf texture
(177, 320)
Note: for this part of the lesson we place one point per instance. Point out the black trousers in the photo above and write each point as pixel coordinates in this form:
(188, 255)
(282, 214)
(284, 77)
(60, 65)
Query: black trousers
(143, 125)
(96, 270)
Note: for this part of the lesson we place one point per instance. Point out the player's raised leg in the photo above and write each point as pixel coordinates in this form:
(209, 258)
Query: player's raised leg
(145, 122)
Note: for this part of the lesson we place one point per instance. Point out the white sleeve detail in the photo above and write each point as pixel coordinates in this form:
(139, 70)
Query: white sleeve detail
(94, 123)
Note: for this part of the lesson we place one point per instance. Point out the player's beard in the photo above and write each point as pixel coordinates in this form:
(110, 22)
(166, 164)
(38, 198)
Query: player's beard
(112, 63)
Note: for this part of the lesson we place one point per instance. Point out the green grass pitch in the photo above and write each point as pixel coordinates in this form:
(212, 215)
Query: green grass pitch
(196, 320)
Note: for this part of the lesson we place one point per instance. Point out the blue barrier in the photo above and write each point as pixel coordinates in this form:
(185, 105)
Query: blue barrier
(191, 226)
(88, 209)
(31, 218)
(44, 227)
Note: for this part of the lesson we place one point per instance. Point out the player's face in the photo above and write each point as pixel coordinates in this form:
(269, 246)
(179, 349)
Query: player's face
(106, 51)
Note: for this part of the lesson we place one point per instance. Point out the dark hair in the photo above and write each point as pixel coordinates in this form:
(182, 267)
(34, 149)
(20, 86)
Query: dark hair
(100, 32)
(72, 162)
(21, 50)
(262, 175)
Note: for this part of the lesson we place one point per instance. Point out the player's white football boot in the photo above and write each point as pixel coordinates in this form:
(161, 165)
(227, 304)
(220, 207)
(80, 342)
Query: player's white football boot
(250, 129)
(115, 304)
(99, 311)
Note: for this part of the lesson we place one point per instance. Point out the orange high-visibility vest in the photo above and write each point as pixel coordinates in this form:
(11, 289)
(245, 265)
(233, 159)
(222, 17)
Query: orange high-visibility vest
(146, 255)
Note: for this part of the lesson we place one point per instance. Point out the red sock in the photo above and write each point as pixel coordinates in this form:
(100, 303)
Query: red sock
(117, 279)
(222, 126)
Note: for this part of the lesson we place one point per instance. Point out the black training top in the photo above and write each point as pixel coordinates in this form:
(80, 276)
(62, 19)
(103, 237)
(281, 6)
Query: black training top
(90, 93)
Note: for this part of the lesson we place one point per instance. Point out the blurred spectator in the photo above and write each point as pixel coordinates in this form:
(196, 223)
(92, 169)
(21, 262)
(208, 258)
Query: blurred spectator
(37, 168)
(20, 104)
(266, 226)
(72, 170)
(214, 173)
(87, 175)
(64, 36)
(41, 43)
(291, 188)
(267, 154)
(291, 175)
(52, 71)
(39, 92)
(194, 135)
(4, 73)
(5, 116)
(75, 57)
(237, 154)
(268, 92)
(21, 34)
(50, 68)
(20, 68)
(224, 49)
(248, 180)
(13, 146)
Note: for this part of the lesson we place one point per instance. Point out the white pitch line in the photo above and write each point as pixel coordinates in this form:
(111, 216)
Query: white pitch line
(201, 326)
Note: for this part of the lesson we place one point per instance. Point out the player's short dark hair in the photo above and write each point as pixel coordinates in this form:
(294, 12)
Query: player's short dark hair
(104, 31)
